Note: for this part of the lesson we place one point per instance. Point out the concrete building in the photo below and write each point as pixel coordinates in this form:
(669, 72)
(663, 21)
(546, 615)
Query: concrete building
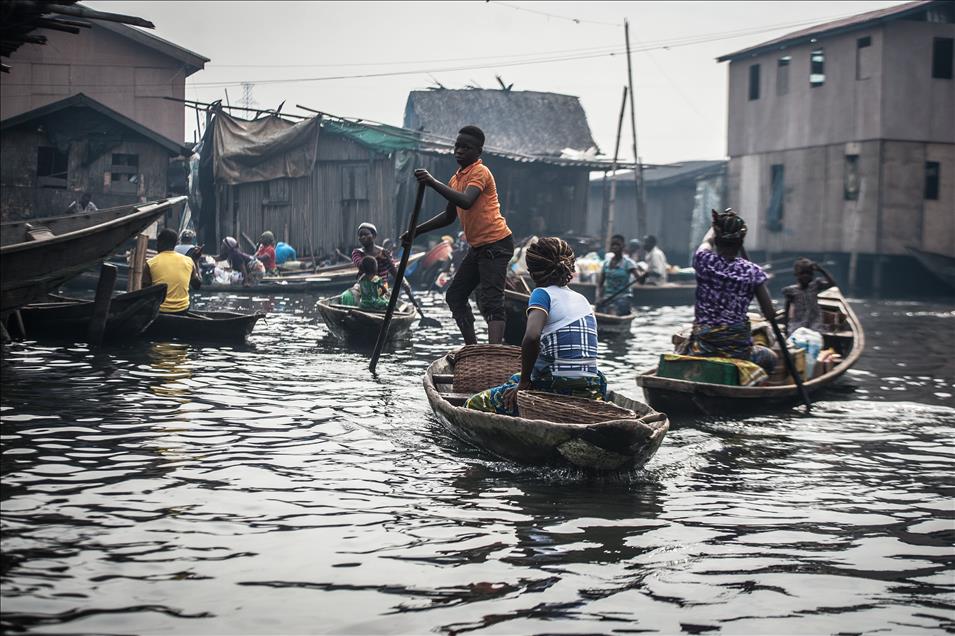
(679, 198)
(841, 141)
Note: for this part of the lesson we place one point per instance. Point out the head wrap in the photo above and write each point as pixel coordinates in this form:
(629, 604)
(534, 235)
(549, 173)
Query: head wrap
(187, 236)
(729, 227)
(368, 226)
(550, 261)
(230, 243)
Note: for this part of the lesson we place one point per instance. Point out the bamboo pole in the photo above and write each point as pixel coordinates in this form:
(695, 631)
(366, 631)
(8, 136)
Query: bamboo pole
(138, 265)
(639, 193)
(608, 231)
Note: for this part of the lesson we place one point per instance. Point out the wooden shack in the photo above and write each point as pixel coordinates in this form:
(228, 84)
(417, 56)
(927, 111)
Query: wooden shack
(52, 154)
(318, 204)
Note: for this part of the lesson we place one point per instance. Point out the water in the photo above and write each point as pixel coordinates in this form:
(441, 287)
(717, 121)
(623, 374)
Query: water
(279, 488)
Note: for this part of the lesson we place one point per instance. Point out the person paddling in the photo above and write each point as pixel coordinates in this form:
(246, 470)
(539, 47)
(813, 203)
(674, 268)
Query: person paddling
(472, 196)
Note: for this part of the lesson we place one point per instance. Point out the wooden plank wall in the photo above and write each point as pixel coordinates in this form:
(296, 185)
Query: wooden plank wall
(318, 205)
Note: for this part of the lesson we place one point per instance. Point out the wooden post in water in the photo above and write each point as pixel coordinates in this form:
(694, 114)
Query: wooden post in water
(104, 293)
(136, 268)
(608, 232)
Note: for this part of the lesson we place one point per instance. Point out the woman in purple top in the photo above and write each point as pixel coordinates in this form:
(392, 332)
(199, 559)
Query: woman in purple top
(725, 286)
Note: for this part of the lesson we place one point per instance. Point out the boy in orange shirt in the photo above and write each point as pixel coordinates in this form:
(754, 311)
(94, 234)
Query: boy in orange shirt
(472, 197)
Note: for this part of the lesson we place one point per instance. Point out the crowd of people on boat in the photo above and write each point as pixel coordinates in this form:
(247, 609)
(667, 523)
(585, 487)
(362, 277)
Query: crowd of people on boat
(559, 346)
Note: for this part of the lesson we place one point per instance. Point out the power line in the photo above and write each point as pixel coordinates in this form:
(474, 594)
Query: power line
(520, 60)
(556, 16)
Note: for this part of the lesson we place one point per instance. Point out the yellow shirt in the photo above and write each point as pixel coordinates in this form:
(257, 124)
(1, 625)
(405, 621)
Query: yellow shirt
(175, 270)
(482, 223)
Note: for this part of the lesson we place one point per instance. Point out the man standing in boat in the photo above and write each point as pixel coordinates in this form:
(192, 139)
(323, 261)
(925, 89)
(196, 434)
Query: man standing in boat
(472, 197)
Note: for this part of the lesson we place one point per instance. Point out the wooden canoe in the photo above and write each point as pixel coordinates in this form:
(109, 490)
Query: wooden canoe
(203, 326)
(69, 318)
(606, 446)
(515, 303)
(12, 232)
(352, 324)
(698, 398)
(30, 270)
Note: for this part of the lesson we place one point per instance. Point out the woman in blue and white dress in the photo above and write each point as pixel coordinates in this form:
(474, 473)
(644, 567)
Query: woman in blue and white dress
(559, 350)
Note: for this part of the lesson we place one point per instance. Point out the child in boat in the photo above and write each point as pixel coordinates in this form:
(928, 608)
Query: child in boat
(266, 252)
(615, 274)
(371, 290)
(559, 350)
(802, 306)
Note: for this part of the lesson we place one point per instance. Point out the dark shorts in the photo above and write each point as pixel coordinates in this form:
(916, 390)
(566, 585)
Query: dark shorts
(484, 268)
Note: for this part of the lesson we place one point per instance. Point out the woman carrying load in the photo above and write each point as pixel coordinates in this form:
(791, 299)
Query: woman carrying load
(559, 350)
(725, 286)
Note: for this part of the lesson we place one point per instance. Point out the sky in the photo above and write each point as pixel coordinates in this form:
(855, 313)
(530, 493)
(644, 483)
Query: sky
(309, 53)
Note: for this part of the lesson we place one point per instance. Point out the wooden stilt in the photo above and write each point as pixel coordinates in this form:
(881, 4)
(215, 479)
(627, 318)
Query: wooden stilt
(104, 294)
(138, 265)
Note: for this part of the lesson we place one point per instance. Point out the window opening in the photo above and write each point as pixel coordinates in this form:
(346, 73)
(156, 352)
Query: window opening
(851, 180)
(932, 170)
(782, 75)
(864, 58)
(754, 82)
(774, 212)
(52, 167)
(943, 51)
(817, 68)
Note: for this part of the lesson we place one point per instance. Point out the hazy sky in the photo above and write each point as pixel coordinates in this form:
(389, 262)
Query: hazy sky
(289, 50)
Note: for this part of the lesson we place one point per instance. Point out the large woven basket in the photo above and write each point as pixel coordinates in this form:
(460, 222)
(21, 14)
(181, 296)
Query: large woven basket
(551, 407)
(479, 367)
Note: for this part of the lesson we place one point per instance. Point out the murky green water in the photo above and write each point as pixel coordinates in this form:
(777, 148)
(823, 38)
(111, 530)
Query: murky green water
(279, 488)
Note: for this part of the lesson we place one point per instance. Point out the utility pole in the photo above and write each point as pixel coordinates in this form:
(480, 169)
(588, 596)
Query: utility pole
(639, 194)
(608, 232)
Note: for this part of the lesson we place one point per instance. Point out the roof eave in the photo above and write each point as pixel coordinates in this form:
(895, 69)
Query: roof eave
(81, 100)
(775, 45)
(193, 61)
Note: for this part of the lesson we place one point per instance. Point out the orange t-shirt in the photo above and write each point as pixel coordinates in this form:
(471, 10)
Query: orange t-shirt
(483, 223)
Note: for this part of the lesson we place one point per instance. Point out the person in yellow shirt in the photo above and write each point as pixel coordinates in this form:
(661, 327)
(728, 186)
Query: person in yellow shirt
(472, 197)
(176, 270)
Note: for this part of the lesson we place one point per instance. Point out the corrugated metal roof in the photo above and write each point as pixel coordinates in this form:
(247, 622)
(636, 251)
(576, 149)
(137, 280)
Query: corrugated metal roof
(852, 23)
(661, 175)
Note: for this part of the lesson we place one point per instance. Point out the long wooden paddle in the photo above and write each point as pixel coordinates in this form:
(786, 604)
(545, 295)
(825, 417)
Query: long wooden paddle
(424, 322)
(396, 291)
(790, 365)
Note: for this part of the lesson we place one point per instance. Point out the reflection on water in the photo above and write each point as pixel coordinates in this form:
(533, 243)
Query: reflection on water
(173, 488)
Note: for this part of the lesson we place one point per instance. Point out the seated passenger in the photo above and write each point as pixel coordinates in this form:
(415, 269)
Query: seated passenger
(559, 350)
(176, 270)
(284, 252)
(725, 286)
(617, 272)
(802, 306)
(237, 259)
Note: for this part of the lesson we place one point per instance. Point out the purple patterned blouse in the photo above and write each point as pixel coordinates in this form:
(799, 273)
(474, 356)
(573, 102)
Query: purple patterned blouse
(724, 288)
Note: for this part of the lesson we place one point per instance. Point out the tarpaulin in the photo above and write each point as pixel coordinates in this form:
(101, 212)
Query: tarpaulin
(263, 149)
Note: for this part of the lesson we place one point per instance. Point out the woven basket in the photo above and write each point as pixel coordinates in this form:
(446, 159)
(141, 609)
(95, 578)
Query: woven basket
(551, 407)
(479, 367)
